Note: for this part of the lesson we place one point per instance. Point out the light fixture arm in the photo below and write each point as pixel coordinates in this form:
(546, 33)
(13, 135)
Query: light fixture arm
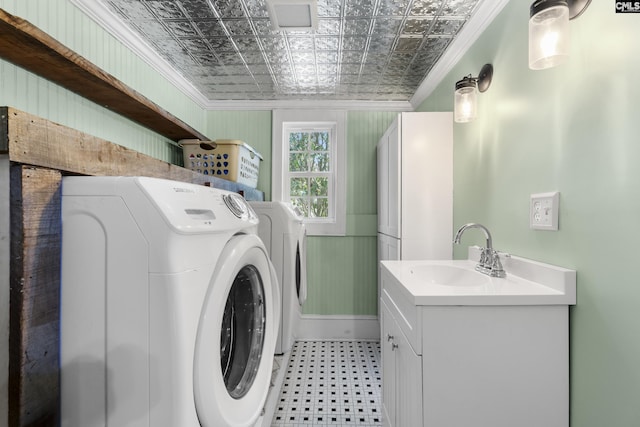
(577, 7)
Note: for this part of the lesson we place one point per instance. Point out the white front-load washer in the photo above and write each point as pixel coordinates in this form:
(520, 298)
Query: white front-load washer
(169, 308)
(284, 234)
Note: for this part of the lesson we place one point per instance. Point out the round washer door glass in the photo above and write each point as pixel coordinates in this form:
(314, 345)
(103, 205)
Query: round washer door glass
(243, 330)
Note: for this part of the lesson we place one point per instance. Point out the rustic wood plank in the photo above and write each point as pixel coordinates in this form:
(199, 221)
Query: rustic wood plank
(27, 46)
(40, 142)
(34, 333)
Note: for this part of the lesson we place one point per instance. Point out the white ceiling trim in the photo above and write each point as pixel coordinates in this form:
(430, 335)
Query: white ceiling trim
(311, 104)
(104, 17)
(485, 14)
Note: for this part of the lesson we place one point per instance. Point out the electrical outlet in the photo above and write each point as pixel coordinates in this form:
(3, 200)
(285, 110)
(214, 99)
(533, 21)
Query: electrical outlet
(543, 211)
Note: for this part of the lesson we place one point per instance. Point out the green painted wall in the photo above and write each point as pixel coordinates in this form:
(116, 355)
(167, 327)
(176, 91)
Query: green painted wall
(67, 24)
(572, 129)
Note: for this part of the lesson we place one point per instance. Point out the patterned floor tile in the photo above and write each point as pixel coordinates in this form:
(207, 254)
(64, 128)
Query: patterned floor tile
(331, 383)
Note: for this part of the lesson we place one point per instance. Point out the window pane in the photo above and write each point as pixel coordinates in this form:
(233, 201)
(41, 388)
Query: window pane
(301, 204)
(298, 162)
(320, 141)
(319, 208)
(320, 162)
(319, 186)
(299, 187)
(298, 141)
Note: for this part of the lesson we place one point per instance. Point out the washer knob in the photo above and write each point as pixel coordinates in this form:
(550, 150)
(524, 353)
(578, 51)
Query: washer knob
(236, 205)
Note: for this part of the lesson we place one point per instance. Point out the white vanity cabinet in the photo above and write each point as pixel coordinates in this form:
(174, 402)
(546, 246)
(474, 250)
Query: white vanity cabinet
(492, 355)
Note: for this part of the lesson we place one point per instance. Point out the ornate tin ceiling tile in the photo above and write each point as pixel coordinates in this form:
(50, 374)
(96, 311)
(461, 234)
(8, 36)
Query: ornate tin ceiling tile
(361, 49)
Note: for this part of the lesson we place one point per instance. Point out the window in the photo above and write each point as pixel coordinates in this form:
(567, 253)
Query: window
(308, 167)
(310, 162)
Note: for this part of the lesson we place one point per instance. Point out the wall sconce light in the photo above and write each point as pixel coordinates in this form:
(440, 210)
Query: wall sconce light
(549, 31)
(465, 105)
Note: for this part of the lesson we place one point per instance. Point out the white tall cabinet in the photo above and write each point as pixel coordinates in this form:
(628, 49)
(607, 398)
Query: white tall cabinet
(415, 188)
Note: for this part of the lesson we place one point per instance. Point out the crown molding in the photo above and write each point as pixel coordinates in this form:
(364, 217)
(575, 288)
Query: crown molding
(104, 17)
(310, 104)
(479, 21)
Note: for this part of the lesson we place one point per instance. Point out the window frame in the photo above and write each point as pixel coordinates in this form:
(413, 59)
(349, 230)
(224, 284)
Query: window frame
(283, 120)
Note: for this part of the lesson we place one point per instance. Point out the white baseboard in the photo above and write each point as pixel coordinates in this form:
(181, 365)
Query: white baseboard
(339, 327)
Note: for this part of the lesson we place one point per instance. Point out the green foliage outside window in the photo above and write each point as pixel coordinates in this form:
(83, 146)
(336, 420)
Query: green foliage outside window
(309, 166)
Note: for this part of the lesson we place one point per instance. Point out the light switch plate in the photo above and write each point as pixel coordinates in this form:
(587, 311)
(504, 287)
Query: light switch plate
(543, 211)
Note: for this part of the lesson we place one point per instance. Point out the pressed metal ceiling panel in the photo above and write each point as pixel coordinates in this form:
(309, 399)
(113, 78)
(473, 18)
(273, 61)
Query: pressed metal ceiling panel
(369, 50)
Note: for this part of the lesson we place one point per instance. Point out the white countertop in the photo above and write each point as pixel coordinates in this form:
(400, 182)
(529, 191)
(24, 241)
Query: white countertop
(527, 283)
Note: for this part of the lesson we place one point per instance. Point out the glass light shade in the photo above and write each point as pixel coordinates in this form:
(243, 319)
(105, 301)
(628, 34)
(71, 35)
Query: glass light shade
(465, 104)
(548, 35)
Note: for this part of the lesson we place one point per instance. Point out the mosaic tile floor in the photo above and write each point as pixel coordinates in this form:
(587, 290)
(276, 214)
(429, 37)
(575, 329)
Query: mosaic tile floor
(331, 383)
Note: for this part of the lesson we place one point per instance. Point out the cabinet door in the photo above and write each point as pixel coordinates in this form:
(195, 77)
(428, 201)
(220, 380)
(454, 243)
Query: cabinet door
(383, 184)
(394, 166)
(388, 367)
(389, 182)
(388, 249)
(401, 376)
(427, 185)
(408, 386)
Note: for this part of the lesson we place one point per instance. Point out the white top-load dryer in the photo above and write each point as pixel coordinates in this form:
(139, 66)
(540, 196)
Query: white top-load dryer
(169, 305)
(284, 234)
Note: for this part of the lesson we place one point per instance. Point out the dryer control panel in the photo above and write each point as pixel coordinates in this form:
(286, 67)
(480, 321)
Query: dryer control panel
(195, 208)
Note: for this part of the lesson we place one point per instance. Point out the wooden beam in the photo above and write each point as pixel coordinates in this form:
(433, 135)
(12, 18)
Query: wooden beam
(34, 313)
(34, 50)
(39, 142)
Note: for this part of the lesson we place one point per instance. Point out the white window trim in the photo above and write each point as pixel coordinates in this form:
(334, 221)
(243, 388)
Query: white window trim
(339, 224)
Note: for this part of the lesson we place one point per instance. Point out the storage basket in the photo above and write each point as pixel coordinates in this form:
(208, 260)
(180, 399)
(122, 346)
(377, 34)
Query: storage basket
(232, 160)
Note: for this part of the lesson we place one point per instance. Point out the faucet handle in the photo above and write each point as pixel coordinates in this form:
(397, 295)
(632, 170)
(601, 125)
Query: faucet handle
(484, 264)
(496, 266)
(483, 256)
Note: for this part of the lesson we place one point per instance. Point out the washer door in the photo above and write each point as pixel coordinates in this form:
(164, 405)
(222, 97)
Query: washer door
(236, 337)
(301, 265)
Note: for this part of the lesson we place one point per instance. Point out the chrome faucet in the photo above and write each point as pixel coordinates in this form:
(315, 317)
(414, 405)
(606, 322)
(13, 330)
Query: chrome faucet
(489, 258)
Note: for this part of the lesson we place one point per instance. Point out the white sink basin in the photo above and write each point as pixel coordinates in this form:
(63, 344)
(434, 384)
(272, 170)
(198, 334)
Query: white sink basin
(456, 282)
(449, 275)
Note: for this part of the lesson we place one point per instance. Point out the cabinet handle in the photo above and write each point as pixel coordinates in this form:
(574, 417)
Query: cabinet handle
(394, 346)
(389, 337)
